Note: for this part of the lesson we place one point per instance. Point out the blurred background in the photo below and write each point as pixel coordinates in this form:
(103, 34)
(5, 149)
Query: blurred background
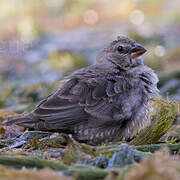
(43, 40)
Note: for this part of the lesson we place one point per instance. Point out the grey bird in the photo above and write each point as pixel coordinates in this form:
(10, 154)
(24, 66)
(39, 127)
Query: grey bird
(104, 102)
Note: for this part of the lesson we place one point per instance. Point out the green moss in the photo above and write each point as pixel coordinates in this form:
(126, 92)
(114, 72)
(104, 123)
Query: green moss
(30, 162)
(165, 116)
(173, 148)
(76, 152)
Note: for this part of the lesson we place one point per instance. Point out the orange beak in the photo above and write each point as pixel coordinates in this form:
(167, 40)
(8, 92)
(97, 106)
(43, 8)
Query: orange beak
(137, 51)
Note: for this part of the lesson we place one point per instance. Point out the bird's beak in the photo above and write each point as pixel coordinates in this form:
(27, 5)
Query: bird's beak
(137, 51)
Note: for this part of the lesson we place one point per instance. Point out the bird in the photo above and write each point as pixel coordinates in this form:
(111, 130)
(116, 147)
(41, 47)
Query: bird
(107, 101)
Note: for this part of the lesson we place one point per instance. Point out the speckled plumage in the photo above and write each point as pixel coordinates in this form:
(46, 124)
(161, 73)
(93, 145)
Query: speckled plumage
(107, 101)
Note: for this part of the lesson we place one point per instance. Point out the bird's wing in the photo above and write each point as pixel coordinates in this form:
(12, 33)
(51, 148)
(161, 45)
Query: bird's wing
(80, 100)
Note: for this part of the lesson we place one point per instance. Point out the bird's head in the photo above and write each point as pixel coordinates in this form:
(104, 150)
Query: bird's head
(123, 52)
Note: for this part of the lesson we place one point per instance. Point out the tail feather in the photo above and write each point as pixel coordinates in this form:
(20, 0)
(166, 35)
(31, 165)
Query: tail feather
(19, 121)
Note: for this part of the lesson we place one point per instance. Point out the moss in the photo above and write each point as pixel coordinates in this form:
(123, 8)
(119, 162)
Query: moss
(76, 152)
(165, 116)
(87, 173)
(30, 162)
(173, 148)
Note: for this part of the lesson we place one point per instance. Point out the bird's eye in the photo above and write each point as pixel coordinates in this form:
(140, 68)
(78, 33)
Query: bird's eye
(120, 48)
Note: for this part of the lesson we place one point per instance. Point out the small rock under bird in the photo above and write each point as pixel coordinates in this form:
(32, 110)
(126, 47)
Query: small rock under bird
(104, 102)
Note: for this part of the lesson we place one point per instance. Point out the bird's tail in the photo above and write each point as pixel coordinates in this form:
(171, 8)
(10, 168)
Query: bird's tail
(22, 121)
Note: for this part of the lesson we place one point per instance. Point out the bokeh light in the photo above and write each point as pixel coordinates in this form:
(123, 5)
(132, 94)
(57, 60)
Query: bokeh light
(159, 51)
(91, 17)
(137, 17)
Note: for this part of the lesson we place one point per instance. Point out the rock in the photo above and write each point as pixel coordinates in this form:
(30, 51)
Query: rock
(101, 161)
(122, 157)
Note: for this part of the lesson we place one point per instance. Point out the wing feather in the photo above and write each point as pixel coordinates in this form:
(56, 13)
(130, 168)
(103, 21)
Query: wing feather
(79, 100)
